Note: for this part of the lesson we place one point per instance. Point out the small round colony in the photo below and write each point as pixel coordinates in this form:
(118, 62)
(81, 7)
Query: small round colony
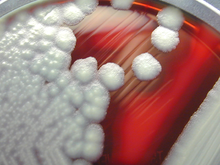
(111, 76)
(49, 112)
(164, 39)
(122, 4)
(146, 67)
(171, 18)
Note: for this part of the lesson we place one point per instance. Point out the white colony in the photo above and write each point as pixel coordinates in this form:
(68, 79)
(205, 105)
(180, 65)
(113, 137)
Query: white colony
(164, 39)
(49, 15)
(171, 18)
(114, 79)
(71, 14)
(49, 32)
(96, 102)
(87, 6)
(146, 67)
(65, 39)
(49, 114)
(166, 36)
(122, 4)
(199, 142)
(84, 70)
(94, 138)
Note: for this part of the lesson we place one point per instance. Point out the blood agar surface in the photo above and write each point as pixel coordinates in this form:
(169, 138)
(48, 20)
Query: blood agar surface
(60, 86)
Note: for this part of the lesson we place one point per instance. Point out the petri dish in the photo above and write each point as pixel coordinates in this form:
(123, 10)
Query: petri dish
(145, 118)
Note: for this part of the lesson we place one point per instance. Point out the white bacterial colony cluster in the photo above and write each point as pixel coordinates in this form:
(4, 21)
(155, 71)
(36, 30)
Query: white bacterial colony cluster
(122, 4)
(166, 37)
(48, 113)
(199, 142)
(171, 18)
(146, 67)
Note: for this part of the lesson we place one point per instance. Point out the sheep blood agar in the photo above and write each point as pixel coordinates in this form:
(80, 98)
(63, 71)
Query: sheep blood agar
(143, 119)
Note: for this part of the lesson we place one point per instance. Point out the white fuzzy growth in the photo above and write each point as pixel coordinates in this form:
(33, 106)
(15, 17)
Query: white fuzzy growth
(50, 65)
(64, 80)
(74, 149)
(92, 151)
(199, 142)
(75, 94)
(43, 46)
(87, 6)
(171, 18)
(93, 113)
(146, 67)
(94, 133)
(65, 39)
(49, 15)
(53, 90)
(28, 54)
(97, 100)
(122, 4)
(41, 100)
(164, 39)
(84, 70)
(80, 120)
(49, 32)
(111, 76)
(72, 15)
(96, 94)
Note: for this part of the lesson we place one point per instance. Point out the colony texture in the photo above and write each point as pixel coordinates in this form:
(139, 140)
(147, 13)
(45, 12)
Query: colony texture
(50, 110)
(50, 113)
(166, 37)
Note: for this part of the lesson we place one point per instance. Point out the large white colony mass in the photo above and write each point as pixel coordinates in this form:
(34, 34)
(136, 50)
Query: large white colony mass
(166, 37)
(48, 113)
(146, 67)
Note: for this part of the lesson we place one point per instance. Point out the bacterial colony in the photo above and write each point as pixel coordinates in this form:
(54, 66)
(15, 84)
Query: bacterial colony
(39, 92)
